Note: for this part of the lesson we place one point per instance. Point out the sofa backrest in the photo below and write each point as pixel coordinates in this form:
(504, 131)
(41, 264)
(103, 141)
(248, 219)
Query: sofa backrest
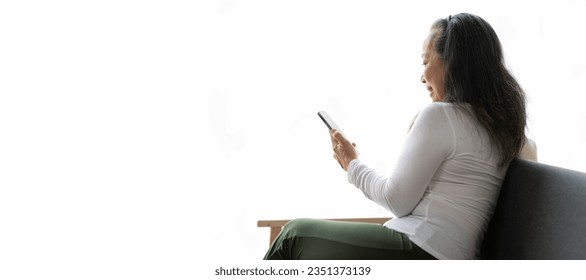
(540, 214)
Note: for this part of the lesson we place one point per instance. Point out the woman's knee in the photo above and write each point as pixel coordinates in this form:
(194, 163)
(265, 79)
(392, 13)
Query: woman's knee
(300, 227)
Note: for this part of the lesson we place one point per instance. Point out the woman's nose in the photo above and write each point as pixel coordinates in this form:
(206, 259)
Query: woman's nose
(422, 79)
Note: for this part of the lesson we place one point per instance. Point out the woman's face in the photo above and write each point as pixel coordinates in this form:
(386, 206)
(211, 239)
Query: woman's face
(434, 70)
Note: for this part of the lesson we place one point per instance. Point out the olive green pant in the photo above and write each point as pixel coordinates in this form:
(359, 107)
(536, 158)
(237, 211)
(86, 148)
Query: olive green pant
(310, 239)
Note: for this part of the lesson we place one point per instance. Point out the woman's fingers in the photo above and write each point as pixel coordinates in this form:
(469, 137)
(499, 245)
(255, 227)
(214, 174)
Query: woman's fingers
(334, 140)
(338, 136)
(344, 151)
(338, 160)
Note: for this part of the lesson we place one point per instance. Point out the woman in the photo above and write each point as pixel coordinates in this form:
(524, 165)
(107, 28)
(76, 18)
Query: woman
(445, 185)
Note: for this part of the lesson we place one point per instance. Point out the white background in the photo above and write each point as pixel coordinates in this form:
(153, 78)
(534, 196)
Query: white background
(163, 130)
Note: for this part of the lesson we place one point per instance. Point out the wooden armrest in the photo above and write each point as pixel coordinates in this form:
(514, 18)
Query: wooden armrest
(277, 225)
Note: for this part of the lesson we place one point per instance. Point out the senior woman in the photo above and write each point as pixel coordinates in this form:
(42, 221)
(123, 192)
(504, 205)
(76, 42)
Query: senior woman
(444, 187)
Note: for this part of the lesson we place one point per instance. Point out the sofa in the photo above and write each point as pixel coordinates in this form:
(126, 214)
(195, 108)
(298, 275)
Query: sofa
(540, 214)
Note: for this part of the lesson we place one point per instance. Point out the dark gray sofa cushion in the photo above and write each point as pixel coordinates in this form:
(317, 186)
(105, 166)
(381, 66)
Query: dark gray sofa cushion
(540, 214)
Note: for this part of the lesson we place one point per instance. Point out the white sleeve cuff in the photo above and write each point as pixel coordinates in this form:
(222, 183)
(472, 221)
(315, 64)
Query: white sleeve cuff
(352, 170)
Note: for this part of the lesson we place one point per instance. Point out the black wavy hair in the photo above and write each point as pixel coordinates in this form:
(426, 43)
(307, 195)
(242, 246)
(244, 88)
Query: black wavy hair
(476, 75)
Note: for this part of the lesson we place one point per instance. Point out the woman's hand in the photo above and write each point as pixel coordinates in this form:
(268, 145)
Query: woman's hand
(344, 151)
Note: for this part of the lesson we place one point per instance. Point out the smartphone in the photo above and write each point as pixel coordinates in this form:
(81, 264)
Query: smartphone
(323, 115)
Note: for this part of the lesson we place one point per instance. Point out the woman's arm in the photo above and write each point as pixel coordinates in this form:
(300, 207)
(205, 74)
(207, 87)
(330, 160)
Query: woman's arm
(429, 142)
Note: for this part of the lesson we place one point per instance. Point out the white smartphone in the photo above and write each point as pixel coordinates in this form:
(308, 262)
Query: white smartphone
(323, 115)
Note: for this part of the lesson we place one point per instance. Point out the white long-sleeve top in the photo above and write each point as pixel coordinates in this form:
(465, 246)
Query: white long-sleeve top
(445, 184)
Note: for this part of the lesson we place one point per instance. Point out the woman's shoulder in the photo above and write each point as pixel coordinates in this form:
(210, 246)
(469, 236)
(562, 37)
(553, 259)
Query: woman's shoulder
(440, 104)
(446, 115)
(446, 108)
(434, 114)
(435, 109)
